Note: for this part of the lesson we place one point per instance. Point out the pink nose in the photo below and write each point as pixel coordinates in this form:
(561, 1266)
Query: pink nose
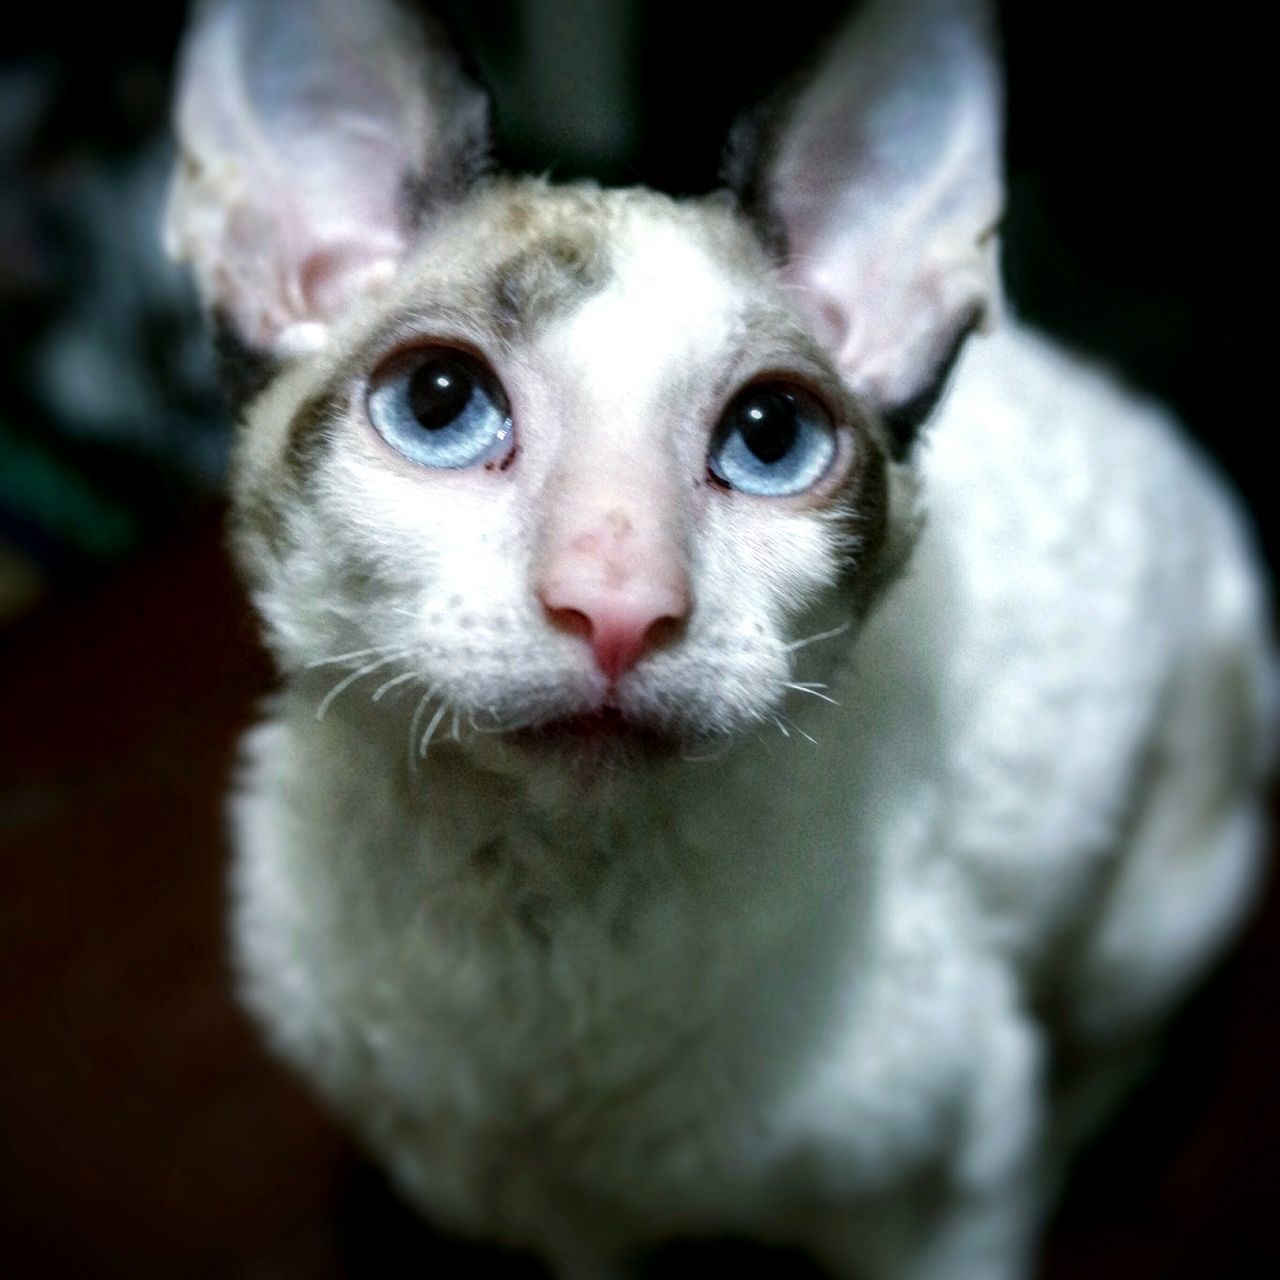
(621, 626)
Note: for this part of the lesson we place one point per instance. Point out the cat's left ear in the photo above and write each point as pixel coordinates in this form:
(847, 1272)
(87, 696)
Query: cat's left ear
(882, 182)
(314, 138)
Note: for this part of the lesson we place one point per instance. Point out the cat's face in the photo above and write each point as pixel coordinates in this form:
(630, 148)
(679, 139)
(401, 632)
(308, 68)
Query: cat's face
(573, 413)
(566, 468)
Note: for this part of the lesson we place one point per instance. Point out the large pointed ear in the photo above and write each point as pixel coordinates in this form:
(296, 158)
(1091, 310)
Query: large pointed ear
(882, 183)
(314, 137)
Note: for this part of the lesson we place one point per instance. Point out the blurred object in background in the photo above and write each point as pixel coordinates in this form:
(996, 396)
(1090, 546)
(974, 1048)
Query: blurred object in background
(110, 420)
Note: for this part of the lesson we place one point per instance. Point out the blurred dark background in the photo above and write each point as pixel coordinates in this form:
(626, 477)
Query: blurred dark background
(141, 1130)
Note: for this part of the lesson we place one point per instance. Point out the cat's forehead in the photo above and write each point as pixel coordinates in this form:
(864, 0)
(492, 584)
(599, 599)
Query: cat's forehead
(526, 264)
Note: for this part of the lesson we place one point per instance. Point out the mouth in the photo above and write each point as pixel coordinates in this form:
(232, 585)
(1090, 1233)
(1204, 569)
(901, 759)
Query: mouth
(598, 735)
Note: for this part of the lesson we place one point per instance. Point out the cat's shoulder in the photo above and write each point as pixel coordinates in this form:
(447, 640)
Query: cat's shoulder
(1044, 462)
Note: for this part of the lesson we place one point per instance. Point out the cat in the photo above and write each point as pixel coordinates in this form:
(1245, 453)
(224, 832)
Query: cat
(752, 712)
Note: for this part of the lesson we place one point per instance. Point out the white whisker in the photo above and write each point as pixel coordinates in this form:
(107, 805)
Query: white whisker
(423, 703)
(349, 680)
(391, 684)
(431, 729)
(813, 693)
(347, 657)
(496, 727)
(822, 635)
(800, 731)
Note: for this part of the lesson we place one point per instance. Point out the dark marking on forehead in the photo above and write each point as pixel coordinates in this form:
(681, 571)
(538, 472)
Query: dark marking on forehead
(547, 277)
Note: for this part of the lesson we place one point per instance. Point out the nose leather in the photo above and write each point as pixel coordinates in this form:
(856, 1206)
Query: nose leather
(618, 585)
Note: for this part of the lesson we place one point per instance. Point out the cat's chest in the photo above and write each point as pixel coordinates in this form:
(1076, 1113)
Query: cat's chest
(648, 1029)
(481, 959)
(494, 1029)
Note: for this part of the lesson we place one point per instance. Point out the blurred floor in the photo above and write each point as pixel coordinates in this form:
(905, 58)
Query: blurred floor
(142, 1131)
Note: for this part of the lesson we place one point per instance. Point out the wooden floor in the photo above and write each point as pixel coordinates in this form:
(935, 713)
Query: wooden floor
(144, 1134)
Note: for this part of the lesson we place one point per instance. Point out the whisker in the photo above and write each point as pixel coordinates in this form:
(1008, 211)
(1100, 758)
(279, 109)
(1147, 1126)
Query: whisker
(822, 635)
(800, 731)
(423, 703)
(813, 693)
(497, 727)
(391, 684)
(431, 729)
(347, 681)
(347, 657)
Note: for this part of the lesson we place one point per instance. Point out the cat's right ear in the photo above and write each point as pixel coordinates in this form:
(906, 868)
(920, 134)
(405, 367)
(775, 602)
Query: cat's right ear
(880, 185)
(314, 140)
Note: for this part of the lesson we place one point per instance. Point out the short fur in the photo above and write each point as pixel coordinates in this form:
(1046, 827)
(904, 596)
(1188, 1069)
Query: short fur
(808, 977)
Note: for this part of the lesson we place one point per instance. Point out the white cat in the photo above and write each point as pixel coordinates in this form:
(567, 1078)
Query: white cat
(719, 784)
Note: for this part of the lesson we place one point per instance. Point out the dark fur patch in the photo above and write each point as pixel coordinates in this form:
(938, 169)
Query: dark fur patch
(743, 170)
(258, 523)
(904, 421)
(546, 278)
(462, 109)
(863, 516)
(243, 371)
(308, 437)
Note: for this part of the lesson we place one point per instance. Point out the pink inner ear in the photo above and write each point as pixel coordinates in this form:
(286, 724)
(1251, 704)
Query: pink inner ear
(829, 319)
(331, 278)
(298, 125)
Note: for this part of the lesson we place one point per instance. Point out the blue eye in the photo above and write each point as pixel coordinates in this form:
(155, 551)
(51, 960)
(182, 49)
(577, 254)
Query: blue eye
(774, 439)
(442, 408)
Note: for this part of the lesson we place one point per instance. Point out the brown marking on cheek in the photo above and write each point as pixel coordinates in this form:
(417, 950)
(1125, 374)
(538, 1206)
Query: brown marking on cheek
(310, 434)
(587, 543)
(862, 517)
(264, 490)
(258, 529)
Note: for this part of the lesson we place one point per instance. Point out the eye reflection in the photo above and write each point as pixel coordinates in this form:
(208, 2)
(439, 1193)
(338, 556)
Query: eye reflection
(442, 408)
(774, 439)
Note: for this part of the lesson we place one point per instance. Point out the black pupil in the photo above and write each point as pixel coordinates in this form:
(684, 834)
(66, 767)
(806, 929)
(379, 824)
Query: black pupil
(439, 391)
(769, 424)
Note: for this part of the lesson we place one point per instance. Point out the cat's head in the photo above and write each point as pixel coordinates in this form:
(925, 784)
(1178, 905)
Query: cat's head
(584, 466)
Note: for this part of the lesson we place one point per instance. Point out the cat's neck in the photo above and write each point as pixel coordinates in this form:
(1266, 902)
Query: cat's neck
(462, 801)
